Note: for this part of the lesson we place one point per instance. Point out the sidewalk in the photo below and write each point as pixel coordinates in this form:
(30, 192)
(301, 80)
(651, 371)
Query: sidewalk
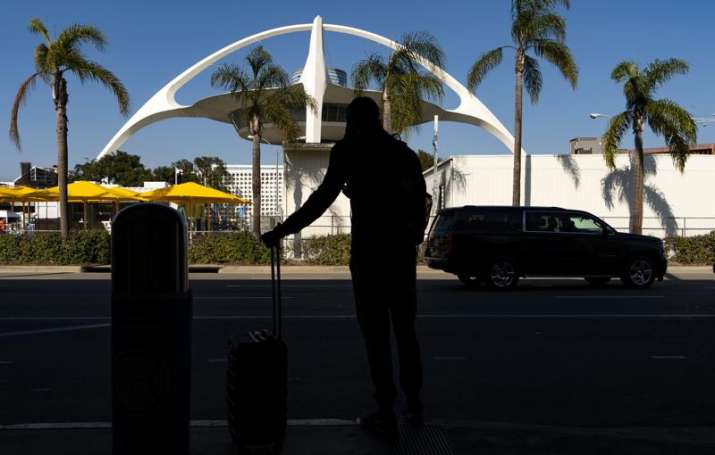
(212, 438)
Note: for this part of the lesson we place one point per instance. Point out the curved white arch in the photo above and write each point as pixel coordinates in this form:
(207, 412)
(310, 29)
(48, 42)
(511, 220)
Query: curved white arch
(163, 104)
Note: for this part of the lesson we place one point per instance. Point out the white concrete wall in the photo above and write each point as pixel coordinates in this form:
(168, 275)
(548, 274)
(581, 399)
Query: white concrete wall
(675, 202)
(304, 171)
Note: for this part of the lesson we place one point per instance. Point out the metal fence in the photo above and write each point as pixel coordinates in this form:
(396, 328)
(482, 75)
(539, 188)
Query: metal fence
(333, 225)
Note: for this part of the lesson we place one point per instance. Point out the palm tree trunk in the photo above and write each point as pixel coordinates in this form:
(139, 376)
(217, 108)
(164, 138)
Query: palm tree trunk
(386, 111)
(636, 158)
(60, 99)
(518, 106)
(256, 178)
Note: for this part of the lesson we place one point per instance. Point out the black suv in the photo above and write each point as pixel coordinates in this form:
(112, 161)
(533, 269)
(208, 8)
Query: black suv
(497, 245)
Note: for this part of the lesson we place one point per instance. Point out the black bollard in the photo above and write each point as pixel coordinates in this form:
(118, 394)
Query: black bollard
(151, 332)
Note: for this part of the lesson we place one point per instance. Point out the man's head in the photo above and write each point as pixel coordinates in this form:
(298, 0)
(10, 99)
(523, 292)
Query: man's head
(363, 117)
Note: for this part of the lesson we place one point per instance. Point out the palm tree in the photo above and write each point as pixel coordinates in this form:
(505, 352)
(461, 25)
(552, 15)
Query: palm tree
(403, 84)
(663, 116)
(536, 28)
(54, 59)
(265, 95)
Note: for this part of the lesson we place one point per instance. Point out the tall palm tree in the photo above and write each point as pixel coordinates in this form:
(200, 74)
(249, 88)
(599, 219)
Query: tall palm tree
(54, 60)
(403, 83)
(265, 96)
(663, 116)
(538, 29)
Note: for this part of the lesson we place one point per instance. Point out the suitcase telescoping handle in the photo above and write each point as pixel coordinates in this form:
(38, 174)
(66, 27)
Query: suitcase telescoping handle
(276, 291)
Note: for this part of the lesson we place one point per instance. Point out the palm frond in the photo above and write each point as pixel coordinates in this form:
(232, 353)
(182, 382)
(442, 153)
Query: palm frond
(627, 69)
(41, 61)
(88, 70)
(485, 63)
(231, 78)
(279, 108)
(78, 34)
(559, 55)
(661, 71)
(545, 26)
(371, 68)
(532, 78)
(257, 58)
(19, 100)
(424, 45)
(36, 26)
(676, 125)
(271, 76)
(612, 137)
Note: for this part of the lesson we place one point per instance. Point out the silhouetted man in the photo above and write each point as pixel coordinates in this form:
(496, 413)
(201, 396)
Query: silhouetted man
(383, 179)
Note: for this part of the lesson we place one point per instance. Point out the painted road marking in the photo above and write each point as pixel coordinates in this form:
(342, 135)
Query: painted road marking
(352, 316)
(54, 330)
(668, 357)
(193, 423)
(629, 297)
(262, 297)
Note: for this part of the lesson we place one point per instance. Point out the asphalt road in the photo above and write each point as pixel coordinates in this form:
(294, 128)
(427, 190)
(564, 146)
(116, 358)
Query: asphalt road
(553, 352)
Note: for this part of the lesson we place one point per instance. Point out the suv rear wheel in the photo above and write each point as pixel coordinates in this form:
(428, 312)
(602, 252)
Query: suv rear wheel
(502, 274)
(639, 273)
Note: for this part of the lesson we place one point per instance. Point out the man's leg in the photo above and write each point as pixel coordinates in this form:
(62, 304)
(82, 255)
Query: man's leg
(404, 313)
(374, 320)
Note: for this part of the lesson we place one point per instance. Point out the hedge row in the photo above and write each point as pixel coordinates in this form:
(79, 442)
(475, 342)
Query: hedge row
(697, 250)
(228, 248)
(93, 247)
(82, 247)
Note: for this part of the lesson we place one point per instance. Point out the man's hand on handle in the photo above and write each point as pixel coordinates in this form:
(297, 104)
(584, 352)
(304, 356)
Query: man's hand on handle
(271, 238)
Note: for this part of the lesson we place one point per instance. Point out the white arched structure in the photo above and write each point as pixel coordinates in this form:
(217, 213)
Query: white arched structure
(163, 104)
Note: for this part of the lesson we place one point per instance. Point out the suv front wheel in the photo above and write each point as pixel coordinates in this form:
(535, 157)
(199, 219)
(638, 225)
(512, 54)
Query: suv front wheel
(639, 273)
(502, 274)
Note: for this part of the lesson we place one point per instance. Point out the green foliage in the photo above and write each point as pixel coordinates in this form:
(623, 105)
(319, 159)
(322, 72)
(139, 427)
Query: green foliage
(535, 28)
(120, 168)
(664, 117)
(697, 250)
(228, 248)
(327, 250)
(56, 58)
(401, 77)
(47, 248)
(426, 159)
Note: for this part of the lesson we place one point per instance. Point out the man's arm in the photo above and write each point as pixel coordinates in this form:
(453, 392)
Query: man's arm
(322, 198)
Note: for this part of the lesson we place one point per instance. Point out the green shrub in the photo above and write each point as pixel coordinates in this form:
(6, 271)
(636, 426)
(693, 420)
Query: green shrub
(81, 247)
(327, 250)
(228, 248)
(699, 249)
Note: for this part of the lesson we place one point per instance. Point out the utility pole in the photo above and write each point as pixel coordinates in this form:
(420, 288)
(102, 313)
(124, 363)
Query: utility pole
(435, 143)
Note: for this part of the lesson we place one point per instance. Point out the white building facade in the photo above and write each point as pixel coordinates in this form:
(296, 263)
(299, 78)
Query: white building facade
(239, 181)
(675, 203)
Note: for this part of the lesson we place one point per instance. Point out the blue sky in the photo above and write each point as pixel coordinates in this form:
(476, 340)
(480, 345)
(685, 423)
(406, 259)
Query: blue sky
(152, 41)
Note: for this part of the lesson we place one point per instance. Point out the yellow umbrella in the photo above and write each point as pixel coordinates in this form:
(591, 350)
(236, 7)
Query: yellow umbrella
(192, 192)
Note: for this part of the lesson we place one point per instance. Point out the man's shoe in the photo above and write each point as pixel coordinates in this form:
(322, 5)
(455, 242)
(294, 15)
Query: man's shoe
(380, 424)
(413, 412)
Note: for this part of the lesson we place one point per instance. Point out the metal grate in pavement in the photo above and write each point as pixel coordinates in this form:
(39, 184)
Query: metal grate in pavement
(425, 440)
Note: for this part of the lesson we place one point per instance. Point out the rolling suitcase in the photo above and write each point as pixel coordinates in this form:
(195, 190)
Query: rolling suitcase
(256, 382)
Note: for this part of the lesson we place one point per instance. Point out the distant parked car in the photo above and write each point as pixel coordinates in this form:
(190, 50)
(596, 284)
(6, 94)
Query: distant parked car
(498, 245)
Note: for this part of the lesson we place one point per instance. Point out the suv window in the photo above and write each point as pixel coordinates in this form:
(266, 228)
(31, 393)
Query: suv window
(444, 222)
(491, 221)
(582, 224)
(544, 222)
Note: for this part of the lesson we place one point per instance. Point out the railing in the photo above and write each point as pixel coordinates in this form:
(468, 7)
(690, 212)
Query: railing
(332, 225)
